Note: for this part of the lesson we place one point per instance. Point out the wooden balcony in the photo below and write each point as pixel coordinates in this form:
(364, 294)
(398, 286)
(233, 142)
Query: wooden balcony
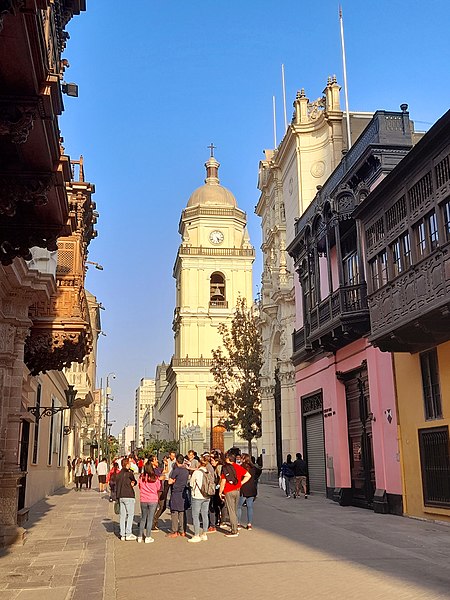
(33, 168)
(336, 321)
(411, 313)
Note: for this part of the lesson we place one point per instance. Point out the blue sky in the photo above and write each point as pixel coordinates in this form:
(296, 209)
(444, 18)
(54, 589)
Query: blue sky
(159, 80)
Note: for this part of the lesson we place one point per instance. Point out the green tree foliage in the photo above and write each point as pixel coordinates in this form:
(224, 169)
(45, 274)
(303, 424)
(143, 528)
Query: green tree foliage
(236, 369)
(157, 447)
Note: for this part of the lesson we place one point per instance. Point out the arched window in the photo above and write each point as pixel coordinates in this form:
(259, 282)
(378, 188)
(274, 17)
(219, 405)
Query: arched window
(217, 297)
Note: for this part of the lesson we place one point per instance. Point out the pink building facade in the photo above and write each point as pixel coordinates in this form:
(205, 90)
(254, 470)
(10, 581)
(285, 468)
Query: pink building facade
(345, 387)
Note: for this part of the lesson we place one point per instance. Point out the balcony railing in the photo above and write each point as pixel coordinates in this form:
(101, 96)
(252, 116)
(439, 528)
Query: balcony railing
(218, 304)
(196, 250)
(342, 308)
(191, 362)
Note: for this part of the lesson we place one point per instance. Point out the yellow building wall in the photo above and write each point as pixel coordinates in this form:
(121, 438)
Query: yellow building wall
(411, 416)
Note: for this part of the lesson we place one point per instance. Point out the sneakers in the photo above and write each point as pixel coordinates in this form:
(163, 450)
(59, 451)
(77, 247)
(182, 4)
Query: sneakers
(130, 537)
(172, 535)
(232, 534)
(295, 496)
(212, 530)
(306, 496)
(288, 496)
(204, 537)
(183, 534)
(195, 539)
(139, 540)
(239, 527)
(149, 540)
(249, 527)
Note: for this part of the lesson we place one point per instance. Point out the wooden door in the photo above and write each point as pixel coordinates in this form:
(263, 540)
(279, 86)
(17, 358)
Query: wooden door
(359, 418)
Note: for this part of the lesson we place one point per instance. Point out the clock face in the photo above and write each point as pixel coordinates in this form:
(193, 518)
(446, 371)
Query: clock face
(216, 237)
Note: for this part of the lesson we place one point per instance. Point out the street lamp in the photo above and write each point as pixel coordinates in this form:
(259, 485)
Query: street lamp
(48, 411)
(210, 404)
(179, 432)
(107, 395)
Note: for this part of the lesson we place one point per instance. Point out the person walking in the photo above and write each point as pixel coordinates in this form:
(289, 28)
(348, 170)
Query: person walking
(300, 469)
(78, 471)
(178, 498)
(111, 479)
(200, 501)
(102, 472)
(249, 489)
(90, 471)
(149, 486)
(163, 475)
(125, 482)
(287, 471)
(232, 478)
(69, 469)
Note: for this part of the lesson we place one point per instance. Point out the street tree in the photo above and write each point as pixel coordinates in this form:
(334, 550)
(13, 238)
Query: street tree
(236, 368)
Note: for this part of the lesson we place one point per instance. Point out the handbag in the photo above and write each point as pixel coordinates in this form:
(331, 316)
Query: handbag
(117, 507)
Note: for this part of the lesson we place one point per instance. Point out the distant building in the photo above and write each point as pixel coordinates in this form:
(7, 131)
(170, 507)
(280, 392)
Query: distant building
(126, 440)
(144, 399)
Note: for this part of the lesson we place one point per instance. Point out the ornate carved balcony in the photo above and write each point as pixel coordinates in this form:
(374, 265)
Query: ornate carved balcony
(412, 312)
(61, 333)
(33, 169)
(335, 322)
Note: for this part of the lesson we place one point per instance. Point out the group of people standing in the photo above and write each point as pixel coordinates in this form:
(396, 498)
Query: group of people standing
(216, 487)
(293, 476)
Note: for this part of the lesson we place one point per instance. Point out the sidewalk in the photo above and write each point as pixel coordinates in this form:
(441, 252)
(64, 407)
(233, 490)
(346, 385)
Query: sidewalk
(298, 549)
(66, 550)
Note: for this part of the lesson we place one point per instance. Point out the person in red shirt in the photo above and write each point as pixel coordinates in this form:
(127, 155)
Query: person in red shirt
(233, 476)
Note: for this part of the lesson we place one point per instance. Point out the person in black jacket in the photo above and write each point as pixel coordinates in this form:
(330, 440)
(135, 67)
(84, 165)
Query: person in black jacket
(125, 482)
(300, 469)
(249, 490)
(288, 473)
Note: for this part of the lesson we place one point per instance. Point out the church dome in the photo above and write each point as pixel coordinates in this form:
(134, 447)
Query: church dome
(212, 193)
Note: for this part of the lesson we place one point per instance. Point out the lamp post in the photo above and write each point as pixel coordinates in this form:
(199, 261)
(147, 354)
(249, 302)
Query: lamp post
(107, 395)
(179, 432)
(210, 404)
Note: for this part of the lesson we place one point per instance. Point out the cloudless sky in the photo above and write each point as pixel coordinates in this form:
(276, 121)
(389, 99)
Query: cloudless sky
(160, 79)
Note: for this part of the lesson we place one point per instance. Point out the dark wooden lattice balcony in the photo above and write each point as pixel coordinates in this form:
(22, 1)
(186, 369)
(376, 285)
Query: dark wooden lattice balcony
(337, 320)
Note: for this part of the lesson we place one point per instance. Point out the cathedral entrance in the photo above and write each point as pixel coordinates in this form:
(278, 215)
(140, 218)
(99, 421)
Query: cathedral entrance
(277, 411)
(359, 419)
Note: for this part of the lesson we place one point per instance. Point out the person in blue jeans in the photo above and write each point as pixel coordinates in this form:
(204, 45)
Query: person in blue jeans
(200, 503)
(125, 483)
(249, 490)
(287, 471)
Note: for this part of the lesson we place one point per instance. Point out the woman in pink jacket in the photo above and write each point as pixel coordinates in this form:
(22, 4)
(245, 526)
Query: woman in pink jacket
(149, 486)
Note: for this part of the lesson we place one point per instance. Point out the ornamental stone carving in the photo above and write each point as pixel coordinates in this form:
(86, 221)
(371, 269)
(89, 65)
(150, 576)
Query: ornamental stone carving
(17, 122)
(52, 350)
(31, 190)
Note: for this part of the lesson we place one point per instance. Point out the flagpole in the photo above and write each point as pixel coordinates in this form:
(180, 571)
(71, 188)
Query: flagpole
(284, 97)
(344, 65)
(274, 123)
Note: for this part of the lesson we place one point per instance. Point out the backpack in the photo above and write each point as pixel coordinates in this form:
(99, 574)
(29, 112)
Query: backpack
(208, 487)
(229, 473)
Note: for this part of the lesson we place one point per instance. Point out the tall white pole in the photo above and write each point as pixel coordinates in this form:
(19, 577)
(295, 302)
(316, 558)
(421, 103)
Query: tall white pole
(284, 97)
(274, 123)
(344, 65)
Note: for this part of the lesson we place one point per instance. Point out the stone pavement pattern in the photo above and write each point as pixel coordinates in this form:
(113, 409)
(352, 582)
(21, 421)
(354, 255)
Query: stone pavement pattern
(298, 549)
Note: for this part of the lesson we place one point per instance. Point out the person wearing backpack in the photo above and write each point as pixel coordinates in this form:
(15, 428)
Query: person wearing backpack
(203, 487)
(233, 476)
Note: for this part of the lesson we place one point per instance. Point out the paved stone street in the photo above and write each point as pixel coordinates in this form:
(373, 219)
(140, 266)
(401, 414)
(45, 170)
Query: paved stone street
(298, 548)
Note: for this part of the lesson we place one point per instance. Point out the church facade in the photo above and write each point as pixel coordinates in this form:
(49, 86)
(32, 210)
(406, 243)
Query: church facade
(212, 269)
